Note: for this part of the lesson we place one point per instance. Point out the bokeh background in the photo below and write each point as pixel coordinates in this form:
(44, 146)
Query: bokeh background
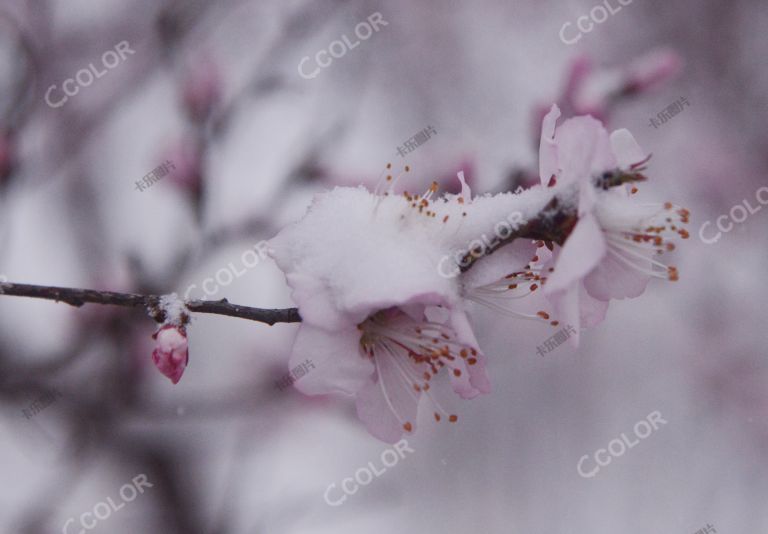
(213, 87)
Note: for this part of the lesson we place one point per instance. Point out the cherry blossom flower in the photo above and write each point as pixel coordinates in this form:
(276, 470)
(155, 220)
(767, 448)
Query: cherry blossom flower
(171, 353)
(506, 282)
(610, 251)
(378, 320)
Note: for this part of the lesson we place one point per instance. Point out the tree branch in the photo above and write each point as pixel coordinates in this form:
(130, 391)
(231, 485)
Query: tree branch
(151, 303)
(552, 225)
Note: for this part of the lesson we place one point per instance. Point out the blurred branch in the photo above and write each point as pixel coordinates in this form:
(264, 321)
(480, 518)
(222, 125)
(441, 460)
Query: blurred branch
(78, 297)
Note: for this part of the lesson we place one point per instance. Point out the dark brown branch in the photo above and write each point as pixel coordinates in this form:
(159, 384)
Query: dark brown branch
(553, 225)
(556, 221)
(151, 303)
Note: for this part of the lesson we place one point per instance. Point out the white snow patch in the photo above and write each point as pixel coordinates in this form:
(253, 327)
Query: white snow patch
(173, 307)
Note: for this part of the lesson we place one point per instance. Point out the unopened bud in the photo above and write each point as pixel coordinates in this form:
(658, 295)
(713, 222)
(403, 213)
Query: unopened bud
(201, 91)
(171, 353)
(651, 70)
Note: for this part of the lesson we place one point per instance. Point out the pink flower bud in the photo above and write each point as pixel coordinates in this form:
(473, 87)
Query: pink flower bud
(187, 162)
(201, 90)
(171, 352)
(651, 70)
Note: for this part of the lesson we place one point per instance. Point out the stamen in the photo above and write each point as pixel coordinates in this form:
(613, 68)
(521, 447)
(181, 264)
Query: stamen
(416, 349)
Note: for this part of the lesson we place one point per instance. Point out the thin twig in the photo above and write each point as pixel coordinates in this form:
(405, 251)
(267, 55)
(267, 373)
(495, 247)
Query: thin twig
(151, 303)
(553, 224)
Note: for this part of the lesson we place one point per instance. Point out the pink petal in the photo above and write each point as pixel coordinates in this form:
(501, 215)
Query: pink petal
(387, 404)
(466, 192)
(171, 353)
(612, 279)
(626, 149)
(578, 71)
(478, 381)
(339, 366)
(591, 310)
(582, 252)
(566, 304)
(577, 143)
(548, 165)
(653, 69)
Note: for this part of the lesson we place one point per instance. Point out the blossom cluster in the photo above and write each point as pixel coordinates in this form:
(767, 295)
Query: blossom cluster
(382, 324)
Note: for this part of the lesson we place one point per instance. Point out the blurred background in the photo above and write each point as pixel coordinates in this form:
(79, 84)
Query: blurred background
(220, 96)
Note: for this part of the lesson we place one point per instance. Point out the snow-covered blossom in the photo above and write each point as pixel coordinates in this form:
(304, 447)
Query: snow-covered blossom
(171, 353)
(611, 250)
(513, 273)
(378, 319)
(511, 282)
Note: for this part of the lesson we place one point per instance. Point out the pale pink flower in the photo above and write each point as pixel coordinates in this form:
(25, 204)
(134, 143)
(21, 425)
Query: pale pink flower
(378, 320)
(651, 70)
(171, 353)
(610, 251)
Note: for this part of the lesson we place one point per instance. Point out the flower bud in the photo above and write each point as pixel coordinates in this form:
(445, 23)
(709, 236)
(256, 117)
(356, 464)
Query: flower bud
(171, 352)
(651, 70)
(201, 91)
(187, 169)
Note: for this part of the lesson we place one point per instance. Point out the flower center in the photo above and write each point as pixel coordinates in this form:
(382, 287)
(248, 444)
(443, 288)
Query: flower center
(416, 351)
(636, 248)
(514, 286)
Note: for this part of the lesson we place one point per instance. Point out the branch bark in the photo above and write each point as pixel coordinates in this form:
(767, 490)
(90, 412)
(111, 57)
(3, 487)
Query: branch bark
(553, 225)
(151, 303)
